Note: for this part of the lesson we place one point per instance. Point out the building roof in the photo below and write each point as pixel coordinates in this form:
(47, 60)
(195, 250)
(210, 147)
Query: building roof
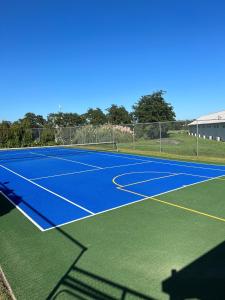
(218, 117)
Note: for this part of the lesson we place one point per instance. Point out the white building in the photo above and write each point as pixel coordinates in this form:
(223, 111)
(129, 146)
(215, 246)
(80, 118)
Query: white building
(211, 126)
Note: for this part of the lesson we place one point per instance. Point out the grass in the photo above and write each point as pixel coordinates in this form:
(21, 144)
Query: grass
(178, 145)
(130, 252)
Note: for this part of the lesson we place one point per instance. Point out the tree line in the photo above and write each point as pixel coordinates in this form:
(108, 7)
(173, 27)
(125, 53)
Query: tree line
(149, 108)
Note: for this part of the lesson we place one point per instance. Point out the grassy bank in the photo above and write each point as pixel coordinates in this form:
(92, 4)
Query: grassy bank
(180, 146)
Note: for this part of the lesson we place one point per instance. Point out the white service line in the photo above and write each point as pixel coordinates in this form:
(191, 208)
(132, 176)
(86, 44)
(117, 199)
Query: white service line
(112, 167)
(165, 163)
(146, 172)
(147, 180)
(64, 174)
(66, 159)
(22, 212)
(91, 170)
(138, 172)
(173, 190)
(196, 175)
(47, 190)
(145, 197)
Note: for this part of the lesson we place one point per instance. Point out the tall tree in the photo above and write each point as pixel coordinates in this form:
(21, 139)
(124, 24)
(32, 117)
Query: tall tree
(95, 116)
(5, 124)
(153, 108)
(31, 120)
(118, 115)
(4, 133)
(64, 119)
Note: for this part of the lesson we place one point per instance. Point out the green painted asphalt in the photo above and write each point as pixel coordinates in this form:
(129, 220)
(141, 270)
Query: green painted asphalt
(129, 252)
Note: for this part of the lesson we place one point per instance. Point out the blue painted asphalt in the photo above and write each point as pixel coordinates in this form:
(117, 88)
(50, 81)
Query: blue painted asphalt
(90, 189)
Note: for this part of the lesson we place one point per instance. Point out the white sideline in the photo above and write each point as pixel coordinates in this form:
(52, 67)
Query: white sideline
(47, 190)
(99, 168)
(152, 179)
(23, 212)
(173, 190)
(116, 166)
(165, 163)
(145, 197)
(96, 168)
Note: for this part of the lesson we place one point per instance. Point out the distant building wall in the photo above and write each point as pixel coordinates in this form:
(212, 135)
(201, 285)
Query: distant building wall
(209, 130)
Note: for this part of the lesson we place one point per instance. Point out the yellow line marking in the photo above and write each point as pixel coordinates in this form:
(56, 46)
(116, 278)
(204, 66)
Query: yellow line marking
(188, 209)
(175, 205)
(169, 203)
(173, 174)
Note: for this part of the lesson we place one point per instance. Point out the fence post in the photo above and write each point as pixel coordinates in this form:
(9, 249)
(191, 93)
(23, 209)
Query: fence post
(39, 135)
(160, 137)
(96, 135)
(197, 146)
(133, 136)
(113, 134)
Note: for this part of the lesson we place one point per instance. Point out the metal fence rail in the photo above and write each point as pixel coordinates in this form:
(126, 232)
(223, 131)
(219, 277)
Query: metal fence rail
(184, 138)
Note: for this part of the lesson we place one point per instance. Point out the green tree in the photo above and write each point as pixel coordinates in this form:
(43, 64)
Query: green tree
(64, 119)
(153, 108)
(4, 133)
(30, 120)
(95, 116)
(118, 115)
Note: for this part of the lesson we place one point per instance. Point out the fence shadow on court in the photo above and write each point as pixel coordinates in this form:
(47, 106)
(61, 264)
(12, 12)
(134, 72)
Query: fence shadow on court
(81, 284)
(204, 278)
(76, 283)
(5, 205)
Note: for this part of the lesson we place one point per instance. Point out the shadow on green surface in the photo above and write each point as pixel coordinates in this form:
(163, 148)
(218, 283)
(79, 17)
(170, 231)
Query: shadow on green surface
(16, 199)
(5, 205)
(76, 283)
(80, 284)
(203, 279)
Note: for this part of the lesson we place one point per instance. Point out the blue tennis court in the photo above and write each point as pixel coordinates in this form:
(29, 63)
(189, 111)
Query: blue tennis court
(52, 190)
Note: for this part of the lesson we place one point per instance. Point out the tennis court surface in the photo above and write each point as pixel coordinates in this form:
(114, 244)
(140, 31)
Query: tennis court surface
(58, 185)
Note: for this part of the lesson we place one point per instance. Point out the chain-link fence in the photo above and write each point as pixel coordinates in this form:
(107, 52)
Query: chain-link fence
(182, 138)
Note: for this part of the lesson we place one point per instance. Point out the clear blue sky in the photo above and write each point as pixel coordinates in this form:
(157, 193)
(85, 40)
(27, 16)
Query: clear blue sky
(92, 53)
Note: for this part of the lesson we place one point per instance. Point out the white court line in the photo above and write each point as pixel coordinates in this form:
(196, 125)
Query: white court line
(138, 172)
(145, 197)
(142, 162)
(147, 180)
(165, 163)
(146, 172)
(64, 174)
(196, 175)
(173, 190)
(23, 212)
(47, 190)
(112, 167)
(91, 170)
(65, 159)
